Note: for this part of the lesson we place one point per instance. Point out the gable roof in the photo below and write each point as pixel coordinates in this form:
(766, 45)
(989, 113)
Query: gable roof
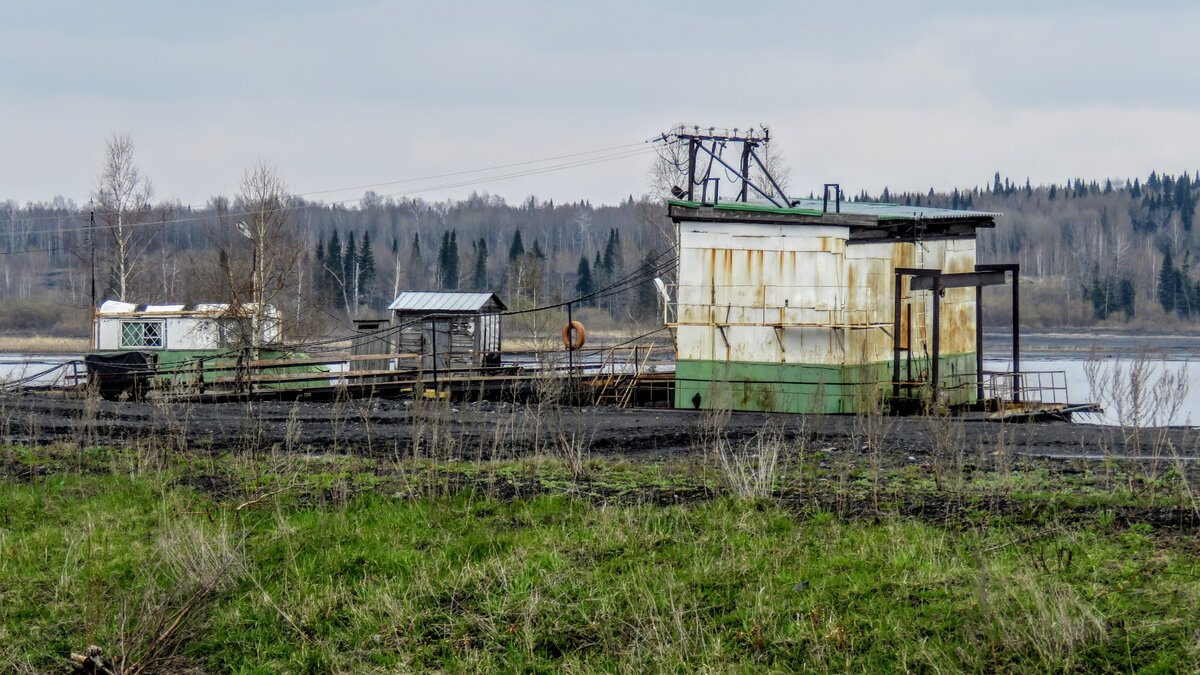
(443, 301)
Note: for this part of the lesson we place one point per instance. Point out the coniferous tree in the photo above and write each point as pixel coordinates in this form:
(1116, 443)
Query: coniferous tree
(443, 259)
(452, 262)
(479, 277)
(416, 263)
(320, 279)
(1183, 287)
(448, 261)
(517, 248)
(1167, 283)
(1127, 296)
(334, 269)
(350, 264)
(645, 301)
(366, 269)
(584, 284)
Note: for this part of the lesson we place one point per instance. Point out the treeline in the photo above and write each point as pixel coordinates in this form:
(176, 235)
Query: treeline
(1091, 251)
(1114, 251)
(351, 259)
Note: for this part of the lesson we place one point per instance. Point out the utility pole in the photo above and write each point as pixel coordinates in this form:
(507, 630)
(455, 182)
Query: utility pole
(717, 139)
(92, 243)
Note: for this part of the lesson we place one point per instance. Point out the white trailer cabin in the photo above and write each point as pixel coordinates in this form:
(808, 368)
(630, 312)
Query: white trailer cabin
(123, 326)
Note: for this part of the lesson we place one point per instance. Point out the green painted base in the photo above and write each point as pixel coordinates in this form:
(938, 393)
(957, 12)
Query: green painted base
(180, 365)
(811, 388)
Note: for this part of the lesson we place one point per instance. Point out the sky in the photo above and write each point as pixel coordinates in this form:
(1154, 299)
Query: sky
(344, 95)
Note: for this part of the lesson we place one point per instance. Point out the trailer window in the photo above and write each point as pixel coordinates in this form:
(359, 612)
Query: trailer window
(147, 334)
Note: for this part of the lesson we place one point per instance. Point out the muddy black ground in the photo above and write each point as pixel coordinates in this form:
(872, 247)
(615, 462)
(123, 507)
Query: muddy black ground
(485, 430)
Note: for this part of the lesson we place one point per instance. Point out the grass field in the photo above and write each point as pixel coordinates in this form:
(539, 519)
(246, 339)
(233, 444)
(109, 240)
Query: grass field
(317, 563)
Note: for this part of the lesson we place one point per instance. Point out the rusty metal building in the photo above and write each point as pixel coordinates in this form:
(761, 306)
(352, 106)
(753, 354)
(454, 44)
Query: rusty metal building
(806, 308)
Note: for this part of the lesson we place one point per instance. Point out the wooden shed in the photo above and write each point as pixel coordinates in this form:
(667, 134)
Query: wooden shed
(449, 329)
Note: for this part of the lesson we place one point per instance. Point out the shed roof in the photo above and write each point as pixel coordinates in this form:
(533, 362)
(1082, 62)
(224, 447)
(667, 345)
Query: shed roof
(864, 220)
(817, 207)
(443, 301)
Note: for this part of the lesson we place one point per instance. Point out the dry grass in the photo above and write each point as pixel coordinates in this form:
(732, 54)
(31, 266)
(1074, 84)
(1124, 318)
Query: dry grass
(43, 344)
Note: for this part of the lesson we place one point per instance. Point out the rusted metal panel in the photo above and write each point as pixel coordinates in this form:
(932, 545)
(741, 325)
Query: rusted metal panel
(766, 292)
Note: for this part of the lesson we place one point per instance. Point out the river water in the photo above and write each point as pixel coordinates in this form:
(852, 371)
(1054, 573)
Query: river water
(1148, 379)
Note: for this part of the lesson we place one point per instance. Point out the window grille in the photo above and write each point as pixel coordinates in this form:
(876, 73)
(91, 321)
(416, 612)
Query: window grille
(142, 334)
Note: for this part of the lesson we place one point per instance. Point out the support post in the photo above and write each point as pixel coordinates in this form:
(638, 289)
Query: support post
(691, 191)
(1016, 332)
(747, 148)
(937, 338)
(979, 345)
(896, 342)
(908, 377)
(92, 244)
(570, 357)
(433, 350)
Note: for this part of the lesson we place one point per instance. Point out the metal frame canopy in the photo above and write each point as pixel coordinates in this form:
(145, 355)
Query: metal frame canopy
(935, 281)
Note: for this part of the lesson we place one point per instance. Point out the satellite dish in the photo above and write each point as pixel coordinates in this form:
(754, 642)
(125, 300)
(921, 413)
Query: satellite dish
(244, 229)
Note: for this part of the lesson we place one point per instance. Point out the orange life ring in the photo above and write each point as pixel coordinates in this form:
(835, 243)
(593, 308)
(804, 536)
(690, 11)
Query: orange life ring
(574, 335)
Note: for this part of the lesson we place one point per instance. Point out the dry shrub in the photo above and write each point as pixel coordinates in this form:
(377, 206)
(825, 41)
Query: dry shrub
(747, 467)
(194, 567)
(1028, 615)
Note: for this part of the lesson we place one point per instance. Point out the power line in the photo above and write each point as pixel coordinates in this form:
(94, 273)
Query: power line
(624, 148)
(486, 179)
(470, 171)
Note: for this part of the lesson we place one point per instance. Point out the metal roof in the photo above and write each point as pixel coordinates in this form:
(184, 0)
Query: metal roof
(880, 211)
(886, 211)
(443, 301)
(116, 307)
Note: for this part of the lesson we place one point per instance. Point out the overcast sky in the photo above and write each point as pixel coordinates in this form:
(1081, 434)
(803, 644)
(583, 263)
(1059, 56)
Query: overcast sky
(345, 94)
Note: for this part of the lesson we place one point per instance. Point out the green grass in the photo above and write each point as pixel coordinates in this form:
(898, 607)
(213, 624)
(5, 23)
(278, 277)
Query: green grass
(366, 581)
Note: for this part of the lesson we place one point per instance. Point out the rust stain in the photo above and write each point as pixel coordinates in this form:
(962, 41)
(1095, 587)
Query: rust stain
(759, 275)
(902, 255)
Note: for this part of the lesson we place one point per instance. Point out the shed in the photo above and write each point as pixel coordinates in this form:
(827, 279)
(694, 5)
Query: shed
(449, 329)
(817, 306)
(373, 337)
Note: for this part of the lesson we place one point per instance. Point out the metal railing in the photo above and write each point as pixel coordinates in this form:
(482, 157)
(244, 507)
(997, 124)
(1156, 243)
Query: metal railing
(1040, 386)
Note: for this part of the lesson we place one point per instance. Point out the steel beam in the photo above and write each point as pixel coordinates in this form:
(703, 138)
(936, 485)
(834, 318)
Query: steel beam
(960, 280)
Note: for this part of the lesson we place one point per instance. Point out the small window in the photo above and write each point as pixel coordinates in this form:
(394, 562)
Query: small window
(147, 334)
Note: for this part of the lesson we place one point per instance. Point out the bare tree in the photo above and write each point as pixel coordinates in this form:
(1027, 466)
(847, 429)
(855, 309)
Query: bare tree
(275, 251)
(123, 196)
(778, 169)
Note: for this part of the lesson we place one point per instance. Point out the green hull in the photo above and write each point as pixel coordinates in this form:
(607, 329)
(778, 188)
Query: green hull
(812, 388)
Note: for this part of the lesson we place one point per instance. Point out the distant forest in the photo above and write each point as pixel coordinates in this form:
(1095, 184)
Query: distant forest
(1112, 253)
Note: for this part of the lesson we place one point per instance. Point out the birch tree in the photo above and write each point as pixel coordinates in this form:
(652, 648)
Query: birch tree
(261, 208)
(122, 195)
